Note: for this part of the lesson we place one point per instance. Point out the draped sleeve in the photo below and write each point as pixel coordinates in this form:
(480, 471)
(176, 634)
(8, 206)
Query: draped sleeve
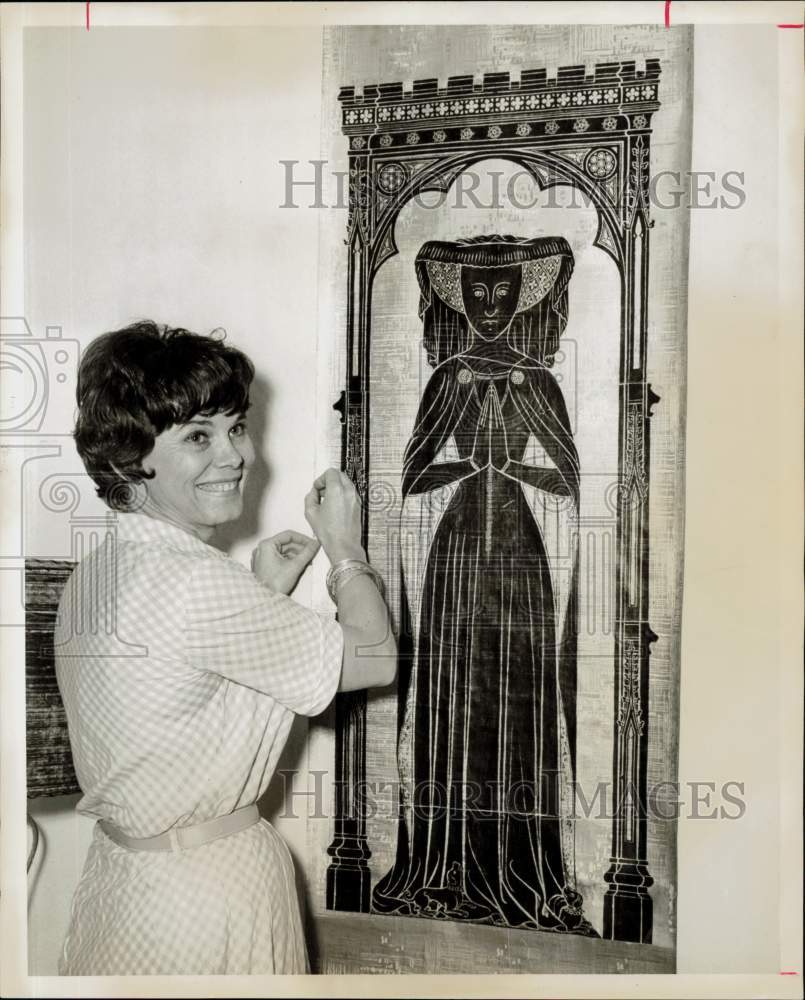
(437, 418)
(541, 404)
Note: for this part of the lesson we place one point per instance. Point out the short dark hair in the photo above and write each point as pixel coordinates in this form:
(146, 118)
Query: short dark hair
(136, 382)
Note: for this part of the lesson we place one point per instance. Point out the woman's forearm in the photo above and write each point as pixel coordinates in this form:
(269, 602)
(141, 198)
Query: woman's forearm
(440, 474)
(370, 650)
(548, 480)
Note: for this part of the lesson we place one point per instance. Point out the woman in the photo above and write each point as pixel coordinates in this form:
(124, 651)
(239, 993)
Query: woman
(181, 670)
(491, 484)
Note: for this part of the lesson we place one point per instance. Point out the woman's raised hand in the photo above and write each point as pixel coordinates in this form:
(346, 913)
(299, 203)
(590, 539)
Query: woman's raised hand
(333, 511)
(279, 561)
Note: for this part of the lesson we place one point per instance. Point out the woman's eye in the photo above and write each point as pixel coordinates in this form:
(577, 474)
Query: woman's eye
(197, 437)
(238, 430)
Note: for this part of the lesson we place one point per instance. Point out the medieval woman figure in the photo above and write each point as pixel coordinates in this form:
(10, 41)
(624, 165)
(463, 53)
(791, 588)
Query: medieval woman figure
(487, 700)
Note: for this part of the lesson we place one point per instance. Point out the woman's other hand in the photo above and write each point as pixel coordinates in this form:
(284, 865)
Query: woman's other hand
(279, 561)
(333, 511)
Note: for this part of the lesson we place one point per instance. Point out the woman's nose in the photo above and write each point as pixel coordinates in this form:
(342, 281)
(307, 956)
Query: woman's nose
(228, 454)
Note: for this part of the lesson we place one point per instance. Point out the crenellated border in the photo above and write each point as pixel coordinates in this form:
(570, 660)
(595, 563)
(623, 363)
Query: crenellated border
(534, 99)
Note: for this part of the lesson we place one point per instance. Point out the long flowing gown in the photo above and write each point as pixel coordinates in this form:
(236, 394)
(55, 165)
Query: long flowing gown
(488, 653)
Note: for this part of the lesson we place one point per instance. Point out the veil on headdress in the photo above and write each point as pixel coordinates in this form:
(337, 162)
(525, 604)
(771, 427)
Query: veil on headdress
(541, 313)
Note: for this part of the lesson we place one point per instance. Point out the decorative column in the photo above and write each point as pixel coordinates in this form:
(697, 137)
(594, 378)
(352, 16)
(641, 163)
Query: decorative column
(348, 876)
(628, 911)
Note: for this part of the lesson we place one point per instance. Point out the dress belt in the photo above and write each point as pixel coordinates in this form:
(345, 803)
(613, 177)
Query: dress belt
(184, 837)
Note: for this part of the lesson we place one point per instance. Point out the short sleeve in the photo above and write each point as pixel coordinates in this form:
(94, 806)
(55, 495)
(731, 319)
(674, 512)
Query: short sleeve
(238, 628)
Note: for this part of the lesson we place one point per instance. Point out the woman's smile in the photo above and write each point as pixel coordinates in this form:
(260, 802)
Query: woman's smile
(222, 486)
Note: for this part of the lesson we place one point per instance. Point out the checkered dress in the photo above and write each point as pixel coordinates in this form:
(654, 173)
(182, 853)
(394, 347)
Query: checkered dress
(181, 674)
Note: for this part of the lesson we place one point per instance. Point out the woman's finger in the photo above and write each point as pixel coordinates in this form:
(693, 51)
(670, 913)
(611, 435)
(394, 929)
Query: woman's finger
(330, 477)
(306, 555)
(300, 544)
(311, 545)
(282, 537)
(313, 510)
(302, 539)
(320, 482)
(289, 535)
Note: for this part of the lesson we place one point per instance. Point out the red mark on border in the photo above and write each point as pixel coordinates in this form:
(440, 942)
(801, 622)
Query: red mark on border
(87, 15)
(789, 973)
(667, 13)
(790, 26)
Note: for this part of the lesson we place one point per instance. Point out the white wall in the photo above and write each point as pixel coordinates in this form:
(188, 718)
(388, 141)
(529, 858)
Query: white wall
(152, 189)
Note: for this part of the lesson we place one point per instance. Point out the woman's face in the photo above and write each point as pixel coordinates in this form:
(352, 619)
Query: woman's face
(490, 297)
(200, 470)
